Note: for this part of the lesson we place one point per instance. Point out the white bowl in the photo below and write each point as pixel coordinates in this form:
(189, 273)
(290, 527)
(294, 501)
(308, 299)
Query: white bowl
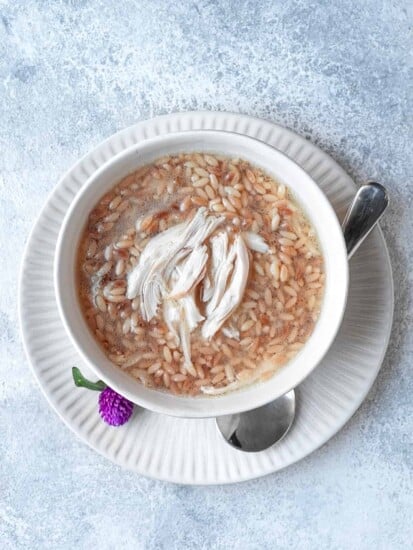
(311, 199)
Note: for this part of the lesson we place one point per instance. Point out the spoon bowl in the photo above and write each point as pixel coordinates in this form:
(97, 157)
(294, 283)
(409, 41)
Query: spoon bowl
(258, 429)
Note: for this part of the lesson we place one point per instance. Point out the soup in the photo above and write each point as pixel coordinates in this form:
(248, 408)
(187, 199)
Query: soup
(199, 274)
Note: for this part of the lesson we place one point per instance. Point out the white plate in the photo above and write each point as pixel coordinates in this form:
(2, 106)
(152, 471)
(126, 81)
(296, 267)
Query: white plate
(191, 450)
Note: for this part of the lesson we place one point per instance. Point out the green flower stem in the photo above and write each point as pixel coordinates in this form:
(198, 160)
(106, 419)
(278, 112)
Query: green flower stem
(82, 382)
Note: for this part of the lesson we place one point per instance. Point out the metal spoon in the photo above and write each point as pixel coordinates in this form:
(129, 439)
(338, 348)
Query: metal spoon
(260, 428)
(368, 205)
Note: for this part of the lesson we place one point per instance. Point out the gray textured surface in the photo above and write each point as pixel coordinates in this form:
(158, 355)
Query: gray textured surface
(73, 72)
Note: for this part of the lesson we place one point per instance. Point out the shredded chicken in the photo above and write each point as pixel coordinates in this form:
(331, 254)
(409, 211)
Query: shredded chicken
(192, 313)
(218, 251)
(231, 332)
(255, 242)
(182, 317)
(161, 254)
(232, 297)
(145, 279)
(172, 317)
(221, 267)
(207, 288)
(190, 272)
(185, 338)
(176, 261)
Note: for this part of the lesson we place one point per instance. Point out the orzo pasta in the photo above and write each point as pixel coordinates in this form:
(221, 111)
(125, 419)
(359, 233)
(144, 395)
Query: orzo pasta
(199, 274)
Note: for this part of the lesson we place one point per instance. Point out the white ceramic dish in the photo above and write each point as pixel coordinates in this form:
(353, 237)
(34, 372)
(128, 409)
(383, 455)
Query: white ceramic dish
(311, 199)
(191, 451)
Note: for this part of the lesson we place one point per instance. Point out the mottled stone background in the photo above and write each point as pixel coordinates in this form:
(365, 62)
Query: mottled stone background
(72, 73)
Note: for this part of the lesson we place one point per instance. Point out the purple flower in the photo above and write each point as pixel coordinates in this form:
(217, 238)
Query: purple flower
(113, 408)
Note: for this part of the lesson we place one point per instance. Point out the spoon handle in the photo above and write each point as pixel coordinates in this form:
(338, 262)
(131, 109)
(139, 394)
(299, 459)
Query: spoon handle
(365, 211)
